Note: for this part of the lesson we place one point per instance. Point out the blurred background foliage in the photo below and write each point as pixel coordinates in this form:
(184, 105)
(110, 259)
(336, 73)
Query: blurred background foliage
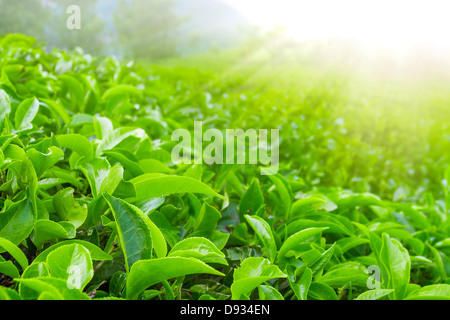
(151, 29)
(350, 117)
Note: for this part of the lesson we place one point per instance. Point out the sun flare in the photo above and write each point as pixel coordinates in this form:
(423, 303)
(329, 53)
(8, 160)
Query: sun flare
(382, 22)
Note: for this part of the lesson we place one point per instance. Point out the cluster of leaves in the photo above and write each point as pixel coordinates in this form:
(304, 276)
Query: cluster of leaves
(92, 206)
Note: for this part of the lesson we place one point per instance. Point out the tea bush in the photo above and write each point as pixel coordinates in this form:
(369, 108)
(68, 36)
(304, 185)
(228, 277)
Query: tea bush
(92, 206)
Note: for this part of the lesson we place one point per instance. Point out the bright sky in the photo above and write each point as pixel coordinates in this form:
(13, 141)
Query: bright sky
(379, 22)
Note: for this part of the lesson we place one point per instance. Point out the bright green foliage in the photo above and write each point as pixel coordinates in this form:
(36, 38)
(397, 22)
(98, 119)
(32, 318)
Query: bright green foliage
(146, 273)
(93, 207)
(252, 273)
(71, 263)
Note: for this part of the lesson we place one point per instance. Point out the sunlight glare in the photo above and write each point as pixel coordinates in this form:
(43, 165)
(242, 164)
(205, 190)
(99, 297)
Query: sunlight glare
(382, 22)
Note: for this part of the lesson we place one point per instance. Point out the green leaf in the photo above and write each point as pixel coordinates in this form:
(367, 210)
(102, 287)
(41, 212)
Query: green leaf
(73, 264)
(95, 252)
(219, 239)
(74, 89)
(25, 113)
(42, 162)
(207, 218)
(345, 244)
(17, 40)
(284, 193)
(14, 251)
(35, 270)
(117, 283)
(55, 288)
(112, 180)
(341, 274)
(346, 201)
(312, 204)
(251, 201)
(159, 243)
(134, 230)
(117, 136)
(96, 208)
(68, 209)
(128, 161)
(320, 291)
(16, 222)
(120, 90)
(149, 205)
(8, 294)
(297, 239)
(265, 235)
(146, 273)
(103, 127)
(45, 230)
(153, 166)
(432, 292)
(267, 292)
(154, 185)
(318, 267)
(395, 266)
(8, 268)
(61, 176)
(102, 178)
(199, 248)
(56, 109)
(252, 273)
(335, 224)
(375, 294)
(5, 105)
(438, 262)
(77, 143)
(304, 283)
